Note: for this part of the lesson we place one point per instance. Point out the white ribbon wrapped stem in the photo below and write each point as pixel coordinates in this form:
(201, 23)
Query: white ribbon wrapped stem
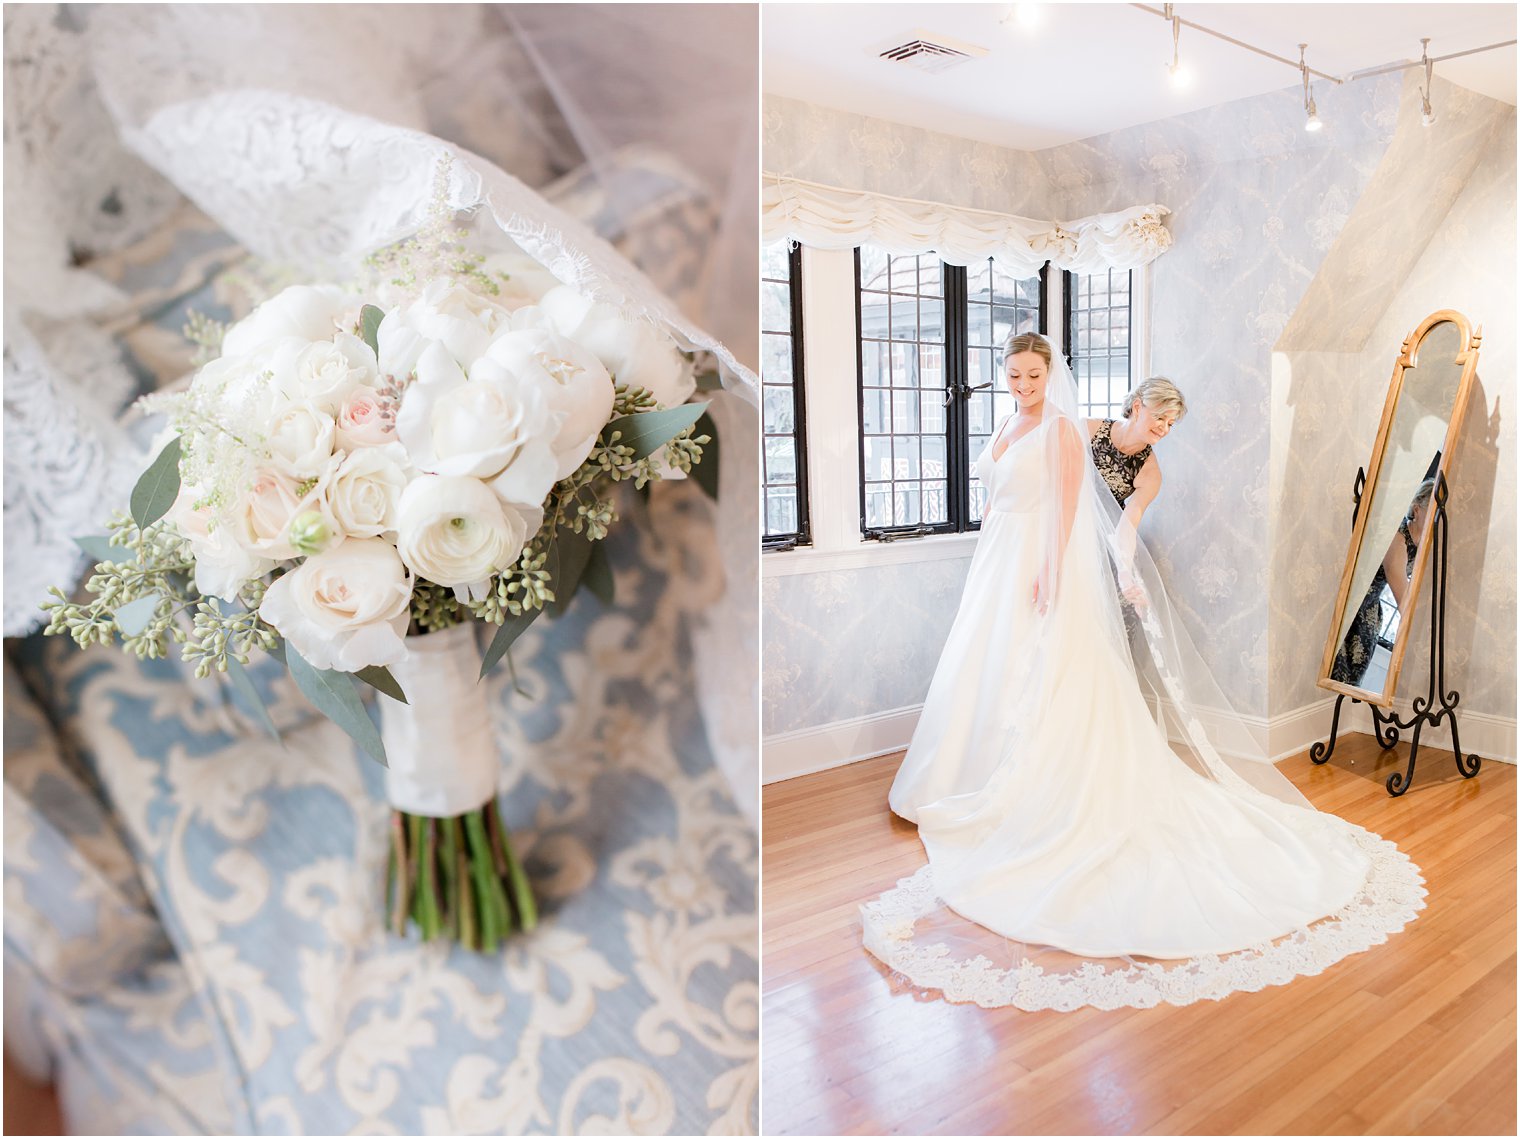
(440, 746)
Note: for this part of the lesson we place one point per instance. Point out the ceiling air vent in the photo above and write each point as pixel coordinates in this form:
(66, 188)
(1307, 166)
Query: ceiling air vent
(932, 53)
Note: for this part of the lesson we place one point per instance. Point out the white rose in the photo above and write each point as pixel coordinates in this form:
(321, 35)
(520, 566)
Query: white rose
(636, 352)
(261, 521)
(454, 531)
(307, 312)
(345, 609)
(301, 437)
(575, 385)
(326, 371)
(366, 419)
(365, 490)
(446, 313)
(222, 567)
(494, 426)
(240, 387)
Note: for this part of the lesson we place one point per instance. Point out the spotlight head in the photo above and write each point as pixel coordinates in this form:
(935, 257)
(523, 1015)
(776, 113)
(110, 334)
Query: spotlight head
(1313, 123)
(1427, 116)
(1026, 15)
(1181, 76)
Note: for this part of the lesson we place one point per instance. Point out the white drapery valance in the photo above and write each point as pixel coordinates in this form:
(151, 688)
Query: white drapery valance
(831, 217)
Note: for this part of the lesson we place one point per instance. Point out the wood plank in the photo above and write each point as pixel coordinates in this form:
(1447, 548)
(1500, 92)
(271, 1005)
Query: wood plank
(1413, 1036)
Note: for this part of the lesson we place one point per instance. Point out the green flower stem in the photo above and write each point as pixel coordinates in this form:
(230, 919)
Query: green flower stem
(469, 935)
(400, 901)
(447, 862)
(509, 868)
(432, 923)
(495, 920)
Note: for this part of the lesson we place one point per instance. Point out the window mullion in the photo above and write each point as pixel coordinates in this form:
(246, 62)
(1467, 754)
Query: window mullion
(958, 493)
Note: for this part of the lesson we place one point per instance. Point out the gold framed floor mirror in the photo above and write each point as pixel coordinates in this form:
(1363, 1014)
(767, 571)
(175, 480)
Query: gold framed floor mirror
(1398, 540)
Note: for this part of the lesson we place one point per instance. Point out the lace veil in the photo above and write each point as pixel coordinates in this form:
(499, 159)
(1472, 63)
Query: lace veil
(307, 136)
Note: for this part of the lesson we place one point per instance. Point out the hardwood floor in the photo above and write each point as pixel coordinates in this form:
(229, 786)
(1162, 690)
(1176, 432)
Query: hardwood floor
(1416, 1036)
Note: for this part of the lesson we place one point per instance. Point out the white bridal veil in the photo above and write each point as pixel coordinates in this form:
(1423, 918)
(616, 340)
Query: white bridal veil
(1103, 565)
(309, 134)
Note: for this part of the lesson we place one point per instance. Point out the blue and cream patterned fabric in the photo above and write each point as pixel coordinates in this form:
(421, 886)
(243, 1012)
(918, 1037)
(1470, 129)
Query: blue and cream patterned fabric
(193, 932)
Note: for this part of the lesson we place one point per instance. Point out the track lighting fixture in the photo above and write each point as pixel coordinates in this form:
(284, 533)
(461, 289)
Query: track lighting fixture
(1311, 121)
(1179, 74)
(1427, 113)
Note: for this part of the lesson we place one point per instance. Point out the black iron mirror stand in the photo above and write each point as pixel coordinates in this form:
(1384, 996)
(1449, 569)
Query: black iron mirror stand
(1437, 702)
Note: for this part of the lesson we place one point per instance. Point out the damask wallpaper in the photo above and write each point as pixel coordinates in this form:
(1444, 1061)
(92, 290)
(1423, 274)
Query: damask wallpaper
(1463, 259)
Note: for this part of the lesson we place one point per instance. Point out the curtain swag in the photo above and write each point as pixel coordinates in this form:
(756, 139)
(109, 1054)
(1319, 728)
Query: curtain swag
(830, 217)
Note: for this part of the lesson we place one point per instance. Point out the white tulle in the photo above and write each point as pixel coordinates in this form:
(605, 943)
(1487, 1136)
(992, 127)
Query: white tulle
(831, 217)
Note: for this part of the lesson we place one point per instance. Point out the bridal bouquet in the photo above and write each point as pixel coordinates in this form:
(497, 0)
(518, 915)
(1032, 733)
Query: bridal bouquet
(359, 477)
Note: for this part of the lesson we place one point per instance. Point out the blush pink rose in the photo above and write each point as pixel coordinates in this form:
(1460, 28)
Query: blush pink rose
(366, 419)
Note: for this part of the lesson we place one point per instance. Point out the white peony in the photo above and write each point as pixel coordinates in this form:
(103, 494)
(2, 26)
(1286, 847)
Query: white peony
(306, 312)
(453, 531)
(521, 279)
(464, 323)
(325, 372)
(344, 609)
(222, 567)
(495, 426)
(365, 490)
(636, 352)
(575, 385)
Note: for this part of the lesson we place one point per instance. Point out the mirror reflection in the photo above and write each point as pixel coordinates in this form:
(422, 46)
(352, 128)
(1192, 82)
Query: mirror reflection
(1398, 508)
(1367, 647)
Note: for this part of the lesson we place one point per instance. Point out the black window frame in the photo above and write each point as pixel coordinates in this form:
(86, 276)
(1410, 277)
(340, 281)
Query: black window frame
(1068, 323)
(957, 392)
(803, 535)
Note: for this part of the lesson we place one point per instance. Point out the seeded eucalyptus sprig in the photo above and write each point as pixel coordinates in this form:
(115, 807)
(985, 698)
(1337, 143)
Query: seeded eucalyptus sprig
(141, 597)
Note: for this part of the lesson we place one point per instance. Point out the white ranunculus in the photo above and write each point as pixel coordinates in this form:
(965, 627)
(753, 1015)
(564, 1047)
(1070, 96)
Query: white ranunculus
(365, 490)
(307, 312)
(495, 426)
(346, 608)
(454, 531)
(260, 522)
(446, 313)
(366, 419)
(575, 385)
(301, 437)
(222, 567)
(325, 372)
(242, 389)
(636, 352)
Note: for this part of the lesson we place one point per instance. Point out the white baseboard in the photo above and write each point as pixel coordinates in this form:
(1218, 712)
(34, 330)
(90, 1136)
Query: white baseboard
(809, 750)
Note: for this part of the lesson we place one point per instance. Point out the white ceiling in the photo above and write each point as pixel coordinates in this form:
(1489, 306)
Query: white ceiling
(1084, 68)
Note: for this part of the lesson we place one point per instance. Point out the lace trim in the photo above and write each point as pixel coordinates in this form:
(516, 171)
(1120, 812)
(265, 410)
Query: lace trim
(1392, 895)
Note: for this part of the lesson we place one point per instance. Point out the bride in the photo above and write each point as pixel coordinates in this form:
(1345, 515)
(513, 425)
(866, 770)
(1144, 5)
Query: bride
(1054, 811)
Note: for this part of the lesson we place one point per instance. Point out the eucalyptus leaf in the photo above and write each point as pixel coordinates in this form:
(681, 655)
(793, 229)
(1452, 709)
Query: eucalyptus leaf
(510, 630)
(245, 687)
(336, 696)
(647, 431)
(133, 617)
(706, 472)
(378, 677)
(567, 563)
(369, 326)
(99, 547)
(158, 487)
(598, 574)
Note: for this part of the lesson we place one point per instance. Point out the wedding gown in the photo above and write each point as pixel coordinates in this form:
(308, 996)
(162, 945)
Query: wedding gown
(1055, 813)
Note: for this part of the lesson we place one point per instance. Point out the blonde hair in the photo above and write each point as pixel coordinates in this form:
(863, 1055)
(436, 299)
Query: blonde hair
(1028, 342)
(1159, 394)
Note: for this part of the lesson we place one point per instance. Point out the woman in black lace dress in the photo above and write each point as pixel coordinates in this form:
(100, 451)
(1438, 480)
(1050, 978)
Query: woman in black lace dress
(1121, 450)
